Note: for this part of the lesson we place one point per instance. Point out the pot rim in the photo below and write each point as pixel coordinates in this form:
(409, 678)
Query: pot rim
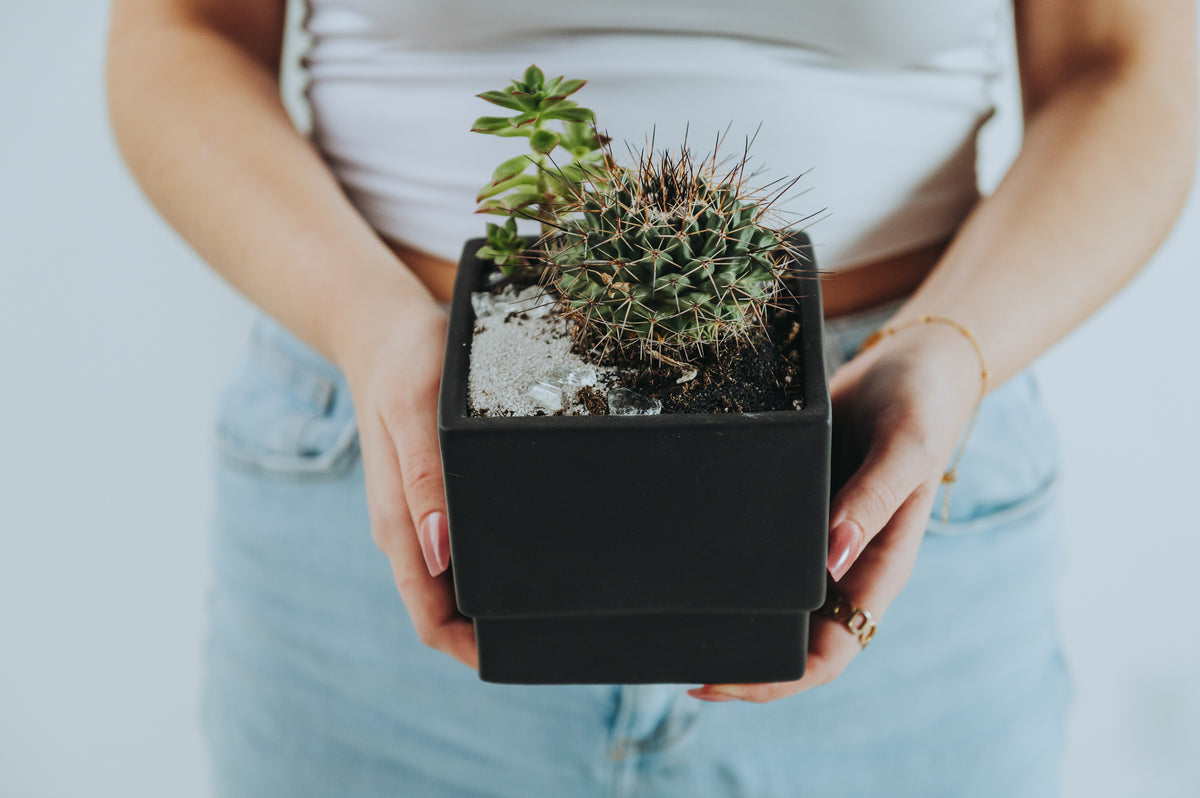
(452, 401)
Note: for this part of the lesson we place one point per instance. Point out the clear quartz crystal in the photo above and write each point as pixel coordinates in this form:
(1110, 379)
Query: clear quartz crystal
(533, 301)
(576, 376)
(484, 304)
(547, 394)
(624, 402)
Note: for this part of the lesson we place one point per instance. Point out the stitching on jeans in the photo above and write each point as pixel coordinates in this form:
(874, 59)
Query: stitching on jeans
(270, 353)
(336, 460)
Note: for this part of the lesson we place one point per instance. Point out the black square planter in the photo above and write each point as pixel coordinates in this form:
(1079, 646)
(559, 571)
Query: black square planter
(680, 548)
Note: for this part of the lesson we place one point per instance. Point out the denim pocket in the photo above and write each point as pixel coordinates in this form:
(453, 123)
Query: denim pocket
(1009, 468)
(286, 411)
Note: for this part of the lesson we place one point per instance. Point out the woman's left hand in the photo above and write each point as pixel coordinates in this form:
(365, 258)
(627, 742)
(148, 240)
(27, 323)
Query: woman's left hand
(898, 409)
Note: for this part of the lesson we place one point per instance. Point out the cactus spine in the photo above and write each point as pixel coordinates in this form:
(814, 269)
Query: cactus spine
(668, 256)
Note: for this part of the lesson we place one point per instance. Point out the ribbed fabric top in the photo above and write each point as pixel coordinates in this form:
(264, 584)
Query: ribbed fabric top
(877, 103)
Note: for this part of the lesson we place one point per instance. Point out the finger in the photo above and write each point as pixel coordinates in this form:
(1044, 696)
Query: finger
(413, 429)
(872, 584)
(883, 568)
(895, 466)
(830, 649)
(435, 615)
(428, 599)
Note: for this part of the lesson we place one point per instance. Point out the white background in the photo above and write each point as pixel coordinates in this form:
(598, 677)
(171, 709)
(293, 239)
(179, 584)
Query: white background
(114, 339)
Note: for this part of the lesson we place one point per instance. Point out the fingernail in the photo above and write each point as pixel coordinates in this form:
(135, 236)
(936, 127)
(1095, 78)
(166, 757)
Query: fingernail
(435, 542)
(844, 543)
(708, 695)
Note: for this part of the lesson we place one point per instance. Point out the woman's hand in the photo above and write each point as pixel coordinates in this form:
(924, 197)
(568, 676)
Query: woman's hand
(1091, 74)
(898, 410)
(392, 360)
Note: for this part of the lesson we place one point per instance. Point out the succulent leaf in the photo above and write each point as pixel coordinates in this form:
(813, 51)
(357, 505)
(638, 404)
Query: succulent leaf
(503, 99)
(543, 141)
(533, 77)
(528, 100)
(493, 206)
(569, 114)
(489, 124)
(492, 189)
(555, 102)
(567, 87)
(522, 197)
(510, 168)
(504, 246)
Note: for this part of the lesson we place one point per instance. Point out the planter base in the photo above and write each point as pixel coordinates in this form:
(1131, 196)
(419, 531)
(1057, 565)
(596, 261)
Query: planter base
(678, 648)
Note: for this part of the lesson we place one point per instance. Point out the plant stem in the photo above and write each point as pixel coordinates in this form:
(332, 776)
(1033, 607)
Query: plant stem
(542, 187)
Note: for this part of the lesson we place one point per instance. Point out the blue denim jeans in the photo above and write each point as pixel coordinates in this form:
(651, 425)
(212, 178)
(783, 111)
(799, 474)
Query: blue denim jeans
(316, 685)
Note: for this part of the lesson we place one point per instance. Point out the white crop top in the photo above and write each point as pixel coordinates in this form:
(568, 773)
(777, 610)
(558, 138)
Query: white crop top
(876, 102)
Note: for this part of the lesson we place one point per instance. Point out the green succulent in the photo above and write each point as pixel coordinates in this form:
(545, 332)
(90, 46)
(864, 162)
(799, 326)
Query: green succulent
(532, 185)
(668, 256)
(505, 247)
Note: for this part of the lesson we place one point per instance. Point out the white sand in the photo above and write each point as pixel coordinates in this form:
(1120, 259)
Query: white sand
(518, 364)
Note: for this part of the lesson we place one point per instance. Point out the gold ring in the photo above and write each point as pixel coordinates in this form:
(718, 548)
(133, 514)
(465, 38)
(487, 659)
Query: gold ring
(856, 619)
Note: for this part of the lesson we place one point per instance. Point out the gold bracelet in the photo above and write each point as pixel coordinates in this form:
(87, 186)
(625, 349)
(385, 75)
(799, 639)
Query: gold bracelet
(951, 474)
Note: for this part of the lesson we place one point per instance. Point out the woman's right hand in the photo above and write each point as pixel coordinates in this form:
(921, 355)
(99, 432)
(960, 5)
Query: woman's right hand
(393, 365)
(201, 76)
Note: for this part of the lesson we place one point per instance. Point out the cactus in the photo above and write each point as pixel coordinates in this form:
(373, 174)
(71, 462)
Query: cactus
(668, 256)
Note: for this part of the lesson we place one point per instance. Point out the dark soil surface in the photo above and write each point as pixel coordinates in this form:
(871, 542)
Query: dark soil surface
(593, 401)
(760, 374)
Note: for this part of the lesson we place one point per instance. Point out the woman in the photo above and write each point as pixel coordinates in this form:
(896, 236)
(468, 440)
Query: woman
(316, 681)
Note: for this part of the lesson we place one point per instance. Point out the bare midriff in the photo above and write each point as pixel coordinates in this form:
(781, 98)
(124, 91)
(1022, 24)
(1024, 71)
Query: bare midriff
(858, 288)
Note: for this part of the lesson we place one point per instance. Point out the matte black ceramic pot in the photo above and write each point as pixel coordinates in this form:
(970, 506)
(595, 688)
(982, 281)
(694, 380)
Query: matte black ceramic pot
(680, 548)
